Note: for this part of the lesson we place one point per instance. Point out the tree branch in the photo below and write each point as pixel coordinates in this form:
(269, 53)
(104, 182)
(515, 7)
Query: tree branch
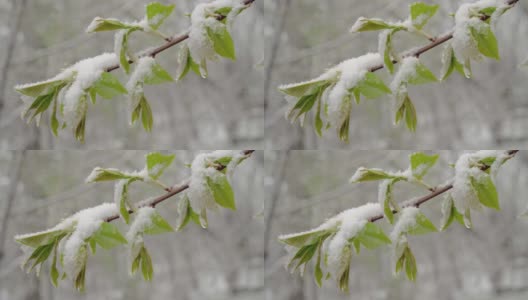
(437, 191)
(436, 42)
(171, 42)
(172, 191)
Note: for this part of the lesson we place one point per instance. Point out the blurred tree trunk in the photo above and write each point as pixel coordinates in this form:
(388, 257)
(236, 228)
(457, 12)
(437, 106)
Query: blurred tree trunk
(17, 8)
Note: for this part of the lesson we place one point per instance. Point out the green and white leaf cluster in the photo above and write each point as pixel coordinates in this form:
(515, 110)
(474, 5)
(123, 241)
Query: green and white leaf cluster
(210, 187)
(331, 100)
(155, 165)
(331, 245)
(67, 94)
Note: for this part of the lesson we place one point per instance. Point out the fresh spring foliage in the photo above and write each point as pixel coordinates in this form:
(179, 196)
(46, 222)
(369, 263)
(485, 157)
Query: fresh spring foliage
(68, 93)
(333, 243)
(331, 94)
(68, 242)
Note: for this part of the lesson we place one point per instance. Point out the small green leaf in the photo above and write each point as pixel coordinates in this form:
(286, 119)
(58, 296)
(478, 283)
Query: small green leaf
(108, 86)
(158, 75)
(318, 272)
(54, 273)
(410, 265)
(364, 174)
(99, 24)
(222, 191)
(109, 174)
(39, 88)
(108, 236)
(40, 238)
(410, 115)
(421, 163)
(372, 86)
(146, 115)
(486, 191)
(422, 75)
(364, 24)
(303, 88)
(343, 130)
(300, 239)
(486, 41)
(146, 265)
(222, 41)
(157, 163)
(423, 225)
(159, 225)
(304, 105)
(421, 13)
(387, 58)
(157, 13)
(372, 236)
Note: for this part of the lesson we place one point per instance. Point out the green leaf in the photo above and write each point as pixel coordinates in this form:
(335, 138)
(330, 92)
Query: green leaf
(372, 86)
(423, 225)
(421, 163)
(318, 272)
(318, 122)
(304, 105)
(300, 239)
(364, 24)
(159, 225)
(146, 115)
(410, 265)
(39, 106)
(343, 130)
(108, 236)
(410, 115)
(157, 163)
(122, 50)
(222, 41)
(186, 58)
(157, 13)
(81, 259)
(99, 174)
(54, 122)
(39, 88)
(372, 236)
(486, 191)
(451, 63)
(54, 273)
(344, 271)
(39, 255)
(388, 203)
(123, 200)
(158, 75)
(450, 213)
(364, 174)
(99, 24)
(184, 212)
(303, 88)
(387, 58)
(79, 130)
(40, 238)
(146, 264)
(421, 13)
(222, 191)
(422, 75)
(108, 86)
(486, 41)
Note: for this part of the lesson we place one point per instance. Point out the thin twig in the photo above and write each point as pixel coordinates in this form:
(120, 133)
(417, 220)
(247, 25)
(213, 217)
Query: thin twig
(174, 190)
(437, 191)
(171, 42)
(436, 42)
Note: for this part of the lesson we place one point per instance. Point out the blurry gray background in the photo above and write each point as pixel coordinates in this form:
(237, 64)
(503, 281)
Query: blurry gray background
(490, 262)
(223, 111)
(307, 37)
(222, 262)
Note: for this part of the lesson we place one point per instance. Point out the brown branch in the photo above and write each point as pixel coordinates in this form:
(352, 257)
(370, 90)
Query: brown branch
(172, 191)
(438, 191)
(171, 42)
(436, 42)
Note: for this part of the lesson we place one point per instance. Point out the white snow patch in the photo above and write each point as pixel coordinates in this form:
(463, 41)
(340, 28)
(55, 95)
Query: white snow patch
(203, 17)
(142, 221)
(406, 222)
(405, 72)
(466, 167)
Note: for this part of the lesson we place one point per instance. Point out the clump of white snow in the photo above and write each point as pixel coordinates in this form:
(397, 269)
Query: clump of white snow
(467, 17)
(466, 167)
(80, 76)
(351, 72)
(142, 221)
(202, 18)
(350, 223)
(203, 166)
(406, 222)
(405, 72)
(85, 223)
